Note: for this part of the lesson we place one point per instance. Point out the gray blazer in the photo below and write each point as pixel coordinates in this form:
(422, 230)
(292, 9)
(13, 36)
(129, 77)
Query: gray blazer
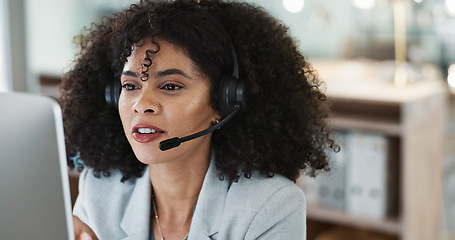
(255, 208)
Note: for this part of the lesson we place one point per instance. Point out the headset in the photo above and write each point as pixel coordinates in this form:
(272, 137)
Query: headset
(231, 98)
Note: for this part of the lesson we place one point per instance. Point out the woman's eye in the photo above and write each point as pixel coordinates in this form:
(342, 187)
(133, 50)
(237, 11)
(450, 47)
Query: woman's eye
(171, 87)
(129, 87)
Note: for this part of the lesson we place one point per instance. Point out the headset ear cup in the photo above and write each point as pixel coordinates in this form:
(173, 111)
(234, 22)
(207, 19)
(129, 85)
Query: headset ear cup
(223, 103)
(112, 94)
(231, 95)
(240, 95)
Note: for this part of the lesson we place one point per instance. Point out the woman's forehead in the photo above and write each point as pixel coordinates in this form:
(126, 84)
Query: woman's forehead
(159, 55)
(157, 47)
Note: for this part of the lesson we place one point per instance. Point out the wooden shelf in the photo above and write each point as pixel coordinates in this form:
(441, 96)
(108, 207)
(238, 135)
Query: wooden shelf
(364, 98)
(391, 128)
(322, 213)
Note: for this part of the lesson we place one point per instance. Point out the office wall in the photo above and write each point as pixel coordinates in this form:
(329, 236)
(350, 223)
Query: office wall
(324, 28)
(51, 25)
(5, 84)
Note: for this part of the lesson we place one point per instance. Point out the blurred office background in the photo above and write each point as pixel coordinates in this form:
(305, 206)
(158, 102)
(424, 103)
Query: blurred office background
(345, 39)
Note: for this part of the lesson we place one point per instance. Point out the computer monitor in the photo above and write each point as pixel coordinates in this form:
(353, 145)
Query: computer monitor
(34, 187)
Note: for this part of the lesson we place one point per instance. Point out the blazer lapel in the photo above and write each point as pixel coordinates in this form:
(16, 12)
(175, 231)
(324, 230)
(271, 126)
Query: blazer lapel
(136, 219)
(210, 205)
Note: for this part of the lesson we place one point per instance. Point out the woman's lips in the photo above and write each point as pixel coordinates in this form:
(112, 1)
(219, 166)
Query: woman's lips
(144, 133)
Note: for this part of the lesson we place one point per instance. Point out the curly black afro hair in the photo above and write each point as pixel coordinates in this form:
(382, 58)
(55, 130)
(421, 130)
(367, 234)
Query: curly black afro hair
(282, 131)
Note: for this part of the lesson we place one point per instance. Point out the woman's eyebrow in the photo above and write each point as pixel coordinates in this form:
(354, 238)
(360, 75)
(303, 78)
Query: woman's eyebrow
(158, 74)
(171, 72)
(130, 73)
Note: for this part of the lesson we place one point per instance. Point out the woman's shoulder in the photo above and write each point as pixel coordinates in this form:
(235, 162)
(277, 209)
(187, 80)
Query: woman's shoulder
(264, 206)
(260, 191)
(109, 186)
(111, 207)
(261, 184)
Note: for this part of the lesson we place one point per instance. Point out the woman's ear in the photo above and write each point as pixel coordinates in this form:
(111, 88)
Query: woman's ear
(216, 120)
(218, 117)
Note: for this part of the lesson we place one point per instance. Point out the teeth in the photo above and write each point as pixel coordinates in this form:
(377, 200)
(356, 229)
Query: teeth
(146, 130)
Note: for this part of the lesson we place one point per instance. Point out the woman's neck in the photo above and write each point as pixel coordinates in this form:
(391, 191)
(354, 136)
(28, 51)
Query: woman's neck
(176, 187)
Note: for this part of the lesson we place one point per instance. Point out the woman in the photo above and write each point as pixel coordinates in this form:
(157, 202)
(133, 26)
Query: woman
(171, 60)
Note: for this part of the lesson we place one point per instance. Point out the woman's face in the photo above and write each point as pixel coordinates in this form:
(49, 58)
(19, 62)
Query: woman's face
(173, 102)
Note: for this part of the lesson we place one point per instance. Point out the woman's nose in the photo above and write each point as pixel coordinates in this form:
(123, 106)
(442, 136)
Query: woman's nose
(146, 105)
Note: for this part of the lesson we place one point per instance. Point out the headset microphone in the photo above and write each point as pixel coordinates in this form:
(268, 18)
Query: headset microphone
(175, 142)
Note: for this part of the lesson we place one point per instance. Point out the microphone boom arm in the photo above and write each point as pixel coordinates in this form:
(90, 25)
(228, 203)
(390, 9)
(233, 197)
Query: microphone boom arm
(175, 142)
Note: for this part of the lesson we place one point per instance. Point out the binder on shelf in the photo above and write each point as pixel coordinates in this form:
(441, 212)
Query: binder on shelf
(369, 172)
